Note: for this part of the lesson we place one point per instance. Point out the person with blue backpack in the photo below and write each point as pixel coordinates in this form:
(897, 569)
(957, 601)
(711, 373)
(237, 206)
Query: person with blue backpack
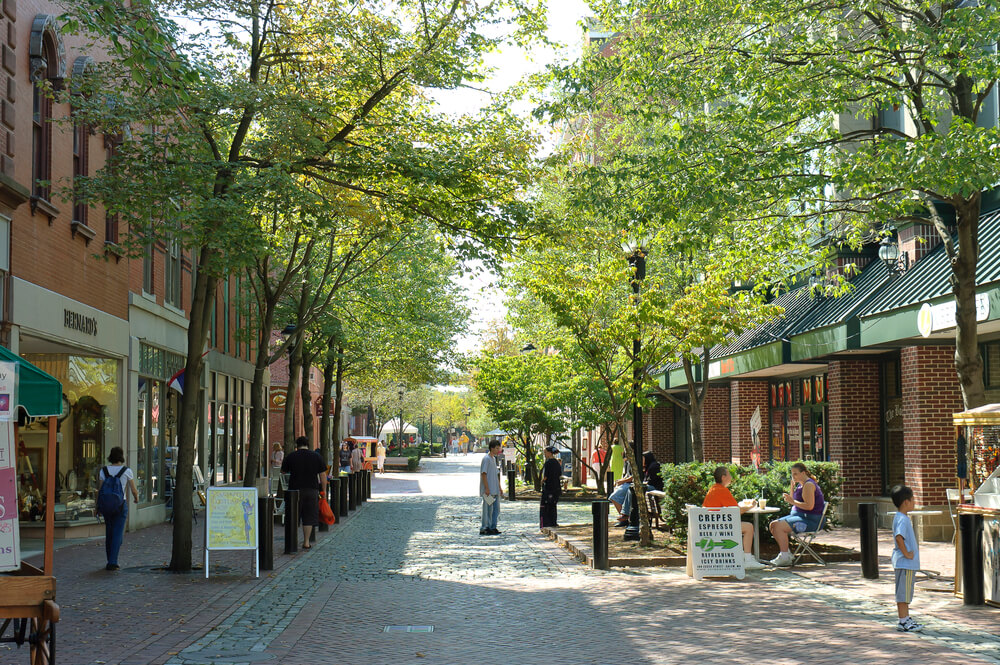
(115, 479)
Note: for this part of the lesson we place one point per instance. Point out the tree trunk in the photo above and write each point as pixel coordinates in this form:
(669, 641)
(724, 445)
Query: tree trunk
(258, 399)
(197, 336)
(338, 396)
(325, 435)
(968, 360)
(292, 398)
(645, 532)
(575, 438)
(308, 419)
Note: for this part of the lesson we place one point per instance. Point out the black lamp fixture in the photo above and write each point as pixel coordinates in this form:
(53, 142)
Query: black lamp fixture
(889, 254)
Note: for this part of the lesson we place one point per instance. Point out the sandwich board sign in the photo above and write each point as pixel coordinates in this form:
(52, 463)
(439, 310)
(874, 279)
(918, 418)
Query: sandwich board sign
(231, 522)
(715, 542)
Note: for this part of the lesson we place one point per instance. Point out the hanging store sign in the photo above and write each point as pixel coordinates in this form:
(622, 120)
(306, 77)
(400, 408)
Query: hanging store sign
(8, 390)
(10, 546)
(933, 318)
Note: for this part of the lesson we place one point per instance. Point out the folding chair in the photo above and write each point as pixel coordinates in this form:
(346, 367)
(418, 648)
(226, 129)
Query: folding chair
(803, 541)
(279, 480)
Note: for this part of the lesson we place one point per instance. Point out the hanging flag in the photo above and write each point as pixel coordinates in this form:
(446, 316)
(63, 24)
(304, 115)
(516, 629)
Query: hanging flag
(177, 381)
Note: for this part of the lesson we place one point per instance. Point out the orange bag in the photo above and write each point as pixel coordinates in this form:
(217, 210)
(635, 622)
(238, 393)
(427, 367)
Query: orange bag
(326, 515)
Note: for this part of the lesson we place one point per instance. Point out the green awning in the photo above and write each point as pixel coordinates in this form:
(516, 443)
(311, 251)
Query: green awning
(38, 393)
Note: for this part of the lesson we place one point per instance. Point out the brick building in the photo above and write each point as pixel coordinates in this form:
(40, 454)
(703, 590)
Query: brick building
(110, 328)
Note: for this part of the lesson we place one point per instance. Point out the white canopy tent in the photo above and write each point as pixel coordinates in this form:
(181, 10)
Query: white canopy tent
(391, 428)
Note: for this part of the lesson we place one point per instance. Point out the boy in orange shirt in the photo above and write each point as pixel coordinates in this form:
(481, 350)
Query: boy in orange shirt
(719, 496)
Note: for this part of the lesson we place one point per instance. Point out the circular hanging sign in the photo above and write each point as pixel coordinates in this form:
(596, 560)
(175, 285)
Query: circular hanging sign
(925, 320)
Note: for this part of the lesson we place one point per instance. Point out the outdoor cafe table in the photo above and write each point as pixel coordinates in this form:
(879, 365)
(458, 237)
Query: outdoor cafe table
(755, 511)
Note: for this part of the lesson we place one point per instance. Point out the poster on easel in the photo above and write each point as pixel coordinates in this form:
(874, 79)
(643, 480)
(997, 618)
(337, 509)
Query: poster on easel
(715, 540)
(231, 521)
(10, 543)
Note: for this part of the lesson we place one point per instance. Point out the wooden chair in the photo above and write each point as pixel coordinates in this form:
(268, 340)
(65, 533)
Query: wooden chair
(653, 506)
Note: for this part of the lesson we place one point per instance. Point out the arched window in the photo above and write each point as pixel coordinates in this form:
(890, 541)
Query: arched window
(48, 63)
(81, 139)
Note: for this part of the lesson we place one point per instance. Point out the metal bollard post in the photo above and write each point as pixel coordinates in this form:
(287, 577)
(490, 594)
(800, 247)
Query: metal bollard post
(371, 478)
(335, 495)
(344, 501)
(869, 540)
(600, 512)
(511, 484)
(291, 521)
(352, 491)
(265, 524)
(367, 494)
(609, 482)
(971, 528)
(632, 530)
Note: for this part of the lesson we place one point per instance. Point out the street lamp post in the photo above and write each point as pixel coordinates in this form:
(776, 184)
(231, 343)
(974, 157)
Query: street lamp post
(636, 252)
(399, 435)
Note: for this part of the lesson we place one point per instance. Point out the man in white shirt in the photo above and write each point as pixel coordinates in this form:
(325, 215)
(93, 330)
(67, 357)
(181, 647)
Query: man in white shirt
(490, 490)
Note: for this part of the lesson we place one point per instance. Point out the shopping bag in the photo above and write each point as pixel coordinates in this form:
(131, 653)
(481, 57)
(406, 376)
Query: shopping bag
(326, 515)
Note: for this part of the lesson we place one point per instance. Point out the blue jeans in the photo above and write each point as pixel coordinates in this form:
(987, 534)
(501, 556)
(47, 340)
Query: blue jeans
(114, 533)
(627, 501)
(490, 514)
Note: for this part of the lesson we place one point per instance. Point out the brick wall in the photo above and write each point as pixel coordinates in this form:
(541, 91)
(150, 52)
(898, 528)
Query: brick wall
(853, 430)
(745, 396)
(658, 430)
(930, 396)
(715, 430)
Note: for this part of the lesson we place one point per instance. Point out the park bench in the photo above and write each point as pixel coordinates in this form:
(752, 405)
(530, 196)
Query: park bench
(396, 462)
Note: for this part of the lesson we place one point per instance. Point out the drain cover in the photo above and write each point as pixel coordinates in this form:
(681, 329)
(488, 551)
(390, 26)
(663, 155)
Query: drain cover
(221, 657)
(408, 629)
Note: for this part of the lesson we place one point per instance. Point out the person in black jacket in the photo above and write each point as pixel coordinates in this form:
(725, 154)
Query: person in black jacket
(551, 487)
(307, 474)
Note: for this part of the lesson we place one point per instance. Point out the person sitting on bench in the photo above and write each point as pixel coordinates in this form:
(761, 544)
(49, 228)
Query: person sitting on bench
(719, 496)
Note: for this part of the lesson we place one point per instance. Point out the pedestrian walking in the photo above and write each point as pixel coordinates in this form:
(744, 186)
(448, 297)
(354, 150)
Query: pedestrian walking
(490, 490)
(905, 557)
(357, 457)
(345, 457)
(116, 516)
(551, 487)
(277, 455)
(380, 456)
(307, 474)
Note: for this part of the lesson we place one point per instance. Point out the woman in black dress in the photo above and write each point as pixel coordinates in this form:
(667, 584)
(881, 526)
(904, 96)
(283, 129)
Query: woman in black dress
(551, 487)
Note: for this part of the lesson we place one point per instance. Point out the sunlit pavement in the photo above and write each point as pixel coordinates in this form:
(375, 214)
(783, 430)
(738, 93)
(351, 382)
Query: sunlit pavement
(412, 558)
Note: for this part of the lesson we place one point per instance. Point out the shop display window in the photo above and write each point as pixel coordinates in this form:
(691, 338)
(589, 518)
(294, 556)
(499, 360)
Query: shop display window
(87, 430)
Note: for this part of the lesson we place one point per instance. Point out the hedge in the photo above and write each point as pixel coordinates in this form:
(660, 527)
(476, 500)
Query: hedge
(688, 483)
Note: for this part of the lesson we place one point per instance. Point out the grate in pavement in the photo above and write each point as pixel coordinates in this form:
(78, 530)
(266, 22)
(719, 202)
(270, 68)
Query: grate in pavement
(221, 657)
(408, 629)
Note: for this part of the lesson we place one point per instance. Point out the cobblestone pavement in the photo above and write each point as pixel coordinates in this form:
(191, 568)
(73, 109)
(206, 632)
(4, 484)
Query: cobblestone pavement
(413, 557)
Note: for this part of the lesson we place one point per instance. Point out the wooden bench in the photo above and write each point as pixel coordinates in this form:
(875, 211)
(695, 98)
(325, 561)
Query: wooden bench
(653, 498)
(396, 462)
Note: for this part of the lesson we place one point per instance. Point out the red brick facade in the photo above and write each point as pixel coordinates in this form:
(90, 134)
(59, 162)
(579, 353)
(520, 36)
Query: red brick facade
(745, 397)
(854, 432)
(931, 395)
(658, 430)
(715, 429)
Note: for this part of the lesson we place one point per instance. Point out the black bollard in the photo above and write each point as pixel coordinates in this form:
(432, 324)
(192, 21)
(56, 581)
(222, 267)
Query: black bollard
(335, 495)
(368, 484)
(265, 537)
(868, 519)
(291, 521)
(600, 512)
(609, 482)
(971, 528)
(511, 484)
(344, 501)
(352, 491)
(364, 485)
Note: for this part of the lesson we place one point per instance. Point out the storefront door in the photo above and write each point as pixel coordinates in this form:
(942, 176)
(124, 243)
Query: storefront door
(814, 433)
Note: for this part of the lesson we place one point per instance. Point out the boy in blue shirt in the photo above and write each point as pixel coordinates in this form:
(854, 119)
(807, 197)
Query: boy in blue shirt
(905, 557)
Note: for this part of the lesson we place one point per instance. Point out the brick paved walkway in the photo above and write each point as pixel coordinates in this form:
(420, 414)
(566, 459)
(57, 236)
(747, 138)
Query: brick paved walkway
(413, 557)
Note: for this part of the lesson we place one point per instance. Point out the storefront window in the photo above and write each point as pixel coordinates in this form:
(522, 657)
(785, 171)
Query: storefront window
(87, 432)
(893, 461)
(798, 418)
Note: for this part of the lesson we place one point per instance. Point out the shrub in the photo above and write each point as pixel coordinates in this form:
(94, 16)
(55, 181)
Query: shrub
(412, 463)
(688, 483)
(428, 449)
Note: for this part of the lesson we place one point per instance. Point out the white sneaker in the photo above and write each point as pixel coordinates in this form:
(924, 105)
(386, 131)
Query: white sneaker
(783, 559)
(750, 563)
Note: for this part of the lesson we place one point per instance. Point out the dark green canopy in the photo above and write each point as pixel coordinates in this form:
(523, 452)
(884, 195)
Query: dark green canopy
(38, 393)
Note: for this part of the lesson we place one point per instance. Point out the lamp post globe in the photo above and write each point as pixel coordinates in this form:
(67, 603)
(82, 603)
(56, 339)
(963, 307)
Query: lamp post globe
(636, 250)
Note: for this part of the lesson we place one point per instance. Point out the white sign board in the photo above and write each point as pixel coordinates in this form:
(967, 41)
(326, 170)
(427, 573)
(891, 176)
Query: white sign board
(8, 390)
(991, 557)
(932, 318)
(231, 521)
(715, 542)
(755, 437)
(10, 544)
